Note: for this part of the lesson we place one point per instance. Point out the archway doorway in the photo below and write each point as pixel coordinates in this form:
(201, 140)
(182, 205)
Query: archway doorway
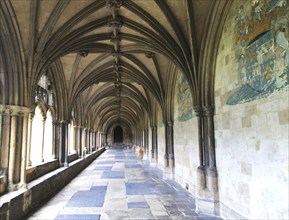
(118, 135)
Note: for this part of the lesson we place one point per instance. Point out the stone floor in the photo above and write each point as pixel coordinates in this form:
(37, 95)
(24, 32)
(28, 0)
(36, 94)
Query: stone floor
(118, 185)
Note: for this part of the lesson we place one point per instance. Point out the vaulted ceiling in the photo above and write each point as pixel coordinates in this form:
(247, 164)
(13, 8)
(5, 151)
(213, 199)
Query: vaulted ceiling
(112, 60)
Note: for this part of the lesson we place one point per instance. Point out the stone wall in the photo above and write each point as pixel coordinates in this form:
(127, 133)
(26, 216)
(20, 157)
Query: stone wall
(127, 136)
(35, 172)
(251, 122)
(186, 153)
(16, 205)
(185, 137)
(161, 146)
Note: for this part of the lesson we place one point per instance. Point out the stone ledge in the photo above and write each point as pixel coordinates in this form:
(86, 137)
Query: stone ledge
(18, 204)
(2, 184)
(72, 157)
(35, 172)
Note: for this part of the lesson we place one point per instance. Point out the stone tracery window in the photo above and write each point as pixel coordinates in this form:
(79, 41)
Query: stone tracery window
(42, 126)
(48, 137)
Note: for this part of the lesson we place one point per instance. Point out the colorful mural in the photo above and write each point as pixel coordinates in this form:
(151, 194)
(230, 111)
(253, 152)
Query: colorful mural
(263, 55)
(184, 99)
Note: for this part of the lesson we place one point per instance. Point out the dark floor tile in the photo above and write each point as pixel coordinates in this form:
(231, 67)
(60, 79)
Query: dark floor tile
(77, 217)
(137, 205)
(131, 165)
(103, 168)
(99, 188)
(112, 175)
(106, 162)
(141, 189)
(89, 198)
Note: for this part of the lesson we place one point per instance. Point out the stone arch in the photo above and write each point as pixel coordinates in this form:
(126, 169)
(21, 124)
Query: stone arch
(37, 138)
(12, 56)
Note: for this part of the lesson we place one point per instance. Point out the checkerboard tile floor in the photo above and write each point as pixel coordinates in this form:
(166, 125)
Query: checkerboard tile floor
(118, 185)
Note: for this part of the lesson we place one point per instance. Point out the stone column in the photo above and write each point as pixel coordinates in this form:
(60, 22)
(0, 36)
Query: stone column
(12, 153)
(1, 126)
(84, 142)
(5, 142)
(94, 139)
(57, 140)
(54, 142)
(75, 138)
(43, 137)
(31, 115)
(100, 139)
(97, 140)
(79, 141)
(24, 153)
(154, 144)
(90, 141)
(201, 171)
(14, 130)
(169, 154)
(66, 144)
(211, 170)
(63, 144)
(207, 183)
(87, 141)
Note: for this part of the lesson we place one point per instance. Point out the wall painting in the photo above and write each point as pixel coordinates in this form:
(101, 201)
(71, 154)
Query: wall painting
(263, 55)
(184, 99)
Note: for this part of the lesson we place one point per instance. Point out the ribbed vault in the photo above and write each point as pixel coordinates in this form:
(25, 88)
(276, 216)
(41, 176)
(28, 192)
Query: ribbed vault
(110, 61)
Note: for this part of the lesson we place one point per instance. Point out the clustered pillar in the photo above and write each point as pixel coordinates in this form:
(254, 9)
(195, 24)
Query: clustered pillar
(16, 128)
(207, 179)
(63, 143)
(13, 138)
(169, 148)
(154, 144)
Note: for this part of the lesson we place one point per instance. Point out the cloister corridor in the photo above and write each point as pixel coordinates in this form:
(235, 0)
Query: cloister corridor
(199, 88)
(121, 185)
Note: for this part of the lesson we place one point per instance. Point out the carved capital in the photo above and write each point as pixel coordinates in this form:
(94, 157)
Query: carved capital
(199, 111)
(55, 123)
(170, 123)
(14, 110)
(208, 111)
(31, 116)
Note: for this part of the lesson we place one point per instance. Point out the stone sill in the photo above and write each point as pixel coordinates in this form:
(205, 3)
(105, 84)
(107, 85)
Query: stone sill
(35, 172)
(2, 179)
(2, 184)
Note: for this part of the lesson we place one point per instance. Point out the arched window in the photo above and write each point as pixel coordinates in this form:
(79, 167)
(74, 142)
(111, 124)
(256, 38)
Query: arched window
(37, 137)
(71, 139)
(48, 137)
(118, 135)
